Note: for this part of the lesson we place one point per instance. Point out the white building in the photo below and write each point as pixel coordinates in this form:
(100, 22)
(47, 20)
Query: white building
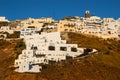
(3, 19)
(40, 49)
(7, 29)
(103, 28)
(36, 23)
(28, 31)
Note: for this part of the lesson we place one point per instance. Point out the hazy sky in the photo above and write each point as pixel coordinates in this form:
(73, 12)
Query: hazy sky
(20, 9)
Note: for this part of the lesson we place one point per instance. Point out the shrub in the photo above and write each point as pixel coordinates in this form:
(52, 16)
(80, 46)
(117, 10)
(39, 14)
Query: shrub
(16, 34)
(19, 47)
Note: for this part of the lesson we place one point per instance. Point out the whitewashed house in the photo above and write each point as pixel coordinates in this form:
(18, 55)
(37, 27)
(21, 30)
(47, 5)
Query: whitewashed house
(3, 19)
(40, 49)
(7, 29)
(28, 31)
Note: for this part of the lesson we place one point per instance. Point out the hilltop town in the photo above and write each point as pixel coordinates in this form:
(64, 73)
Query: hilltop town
(92, 25)
(39, 42)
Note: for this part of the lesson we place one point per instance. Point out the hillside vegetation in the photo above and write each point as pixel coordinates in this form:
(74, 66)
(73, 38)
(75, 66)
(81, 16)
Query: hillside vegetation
(102, 66)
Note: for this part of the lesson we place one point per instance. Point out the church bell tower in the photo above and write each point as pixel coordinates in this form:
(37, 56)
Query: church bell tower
(87, 14)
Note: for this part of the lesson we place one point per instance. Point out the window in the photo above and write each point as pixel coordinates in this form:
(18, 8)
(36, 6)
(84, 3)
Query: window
(22, 30)
(51, 47)
(30, 67)
(19, 62)
(109, 32)
(63, 48)
(35, 48)
(37, 60)
(49, 54)
(27, 29)
(57, 42)
(28, 52)
(71, 30)
(66, 30)
(74, 49)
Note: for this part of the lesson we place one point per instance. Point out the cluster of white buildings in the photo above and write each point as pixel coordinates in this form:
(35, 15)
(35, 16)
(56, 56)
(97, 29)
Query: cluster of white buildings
(93, 25)
(18, 25)
(27, 23)
(4, 26)
(42, 48)
(104, 28)
(34, 23)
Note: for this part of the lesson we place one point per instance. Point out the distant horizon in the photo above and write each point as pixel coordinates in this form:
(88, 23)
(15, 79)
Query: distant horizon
(23, 9)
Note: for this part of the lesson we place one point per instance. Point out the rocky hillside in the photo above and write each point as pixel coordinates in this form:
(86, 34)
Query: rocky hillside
(102, 66)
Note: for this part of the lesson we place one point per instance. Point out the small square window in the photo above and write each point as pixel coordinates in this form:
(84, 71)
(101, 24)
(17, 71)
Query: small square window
(63, 48)
(51, 47)
(74, 49)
